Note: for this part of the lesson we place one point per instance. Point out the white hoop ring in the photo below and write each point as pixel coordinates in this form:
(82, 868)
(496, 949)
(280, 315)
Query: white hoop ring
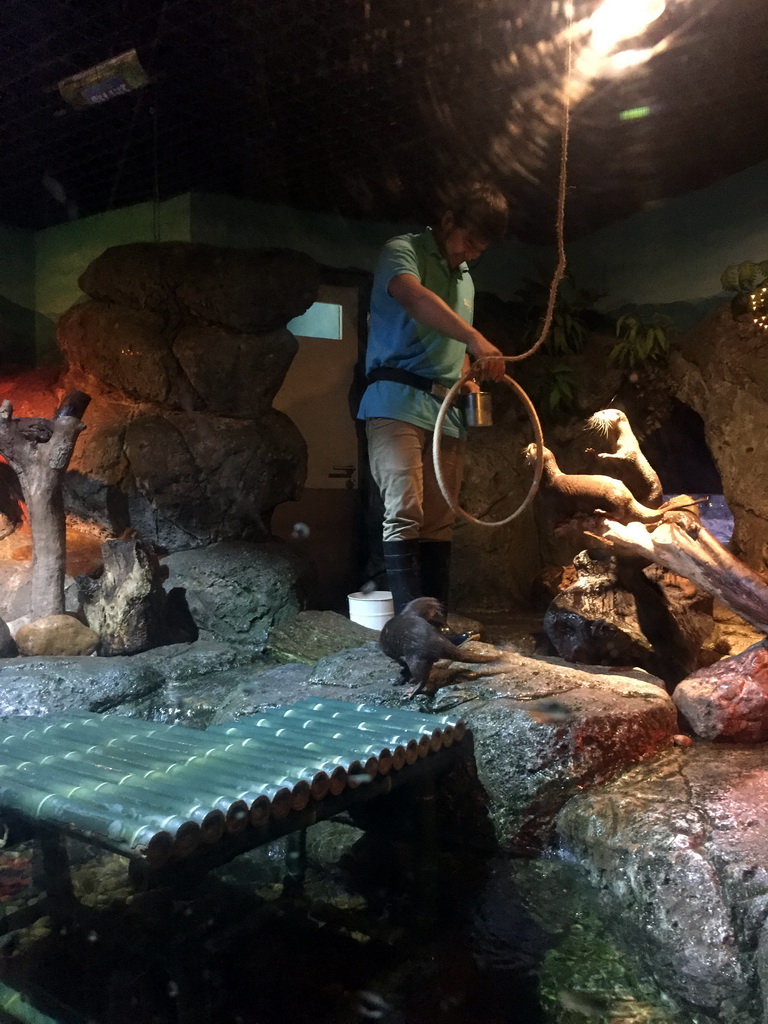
(538, 438)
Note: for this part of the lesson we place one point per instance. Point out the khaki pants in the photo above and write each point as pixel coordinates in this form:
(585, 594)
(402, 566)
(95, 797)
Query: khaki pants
(401, 464)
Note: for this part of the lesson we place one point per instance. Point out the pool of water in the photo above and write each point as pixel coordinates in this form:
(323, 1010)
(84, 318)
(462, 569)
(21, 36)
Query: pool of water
(715, 515)
(339, 929)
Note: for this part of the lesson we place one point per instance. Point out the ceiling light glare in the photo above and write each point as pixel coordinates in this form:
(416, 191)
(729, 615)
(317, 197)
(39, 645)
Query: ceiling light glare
(634, 113)
(617, 20)
(625, 59)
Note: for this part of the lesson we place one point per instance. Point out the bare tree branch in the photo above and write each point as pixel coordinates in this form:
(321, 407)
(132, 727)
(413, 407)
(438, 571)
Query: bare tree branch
(39, 451)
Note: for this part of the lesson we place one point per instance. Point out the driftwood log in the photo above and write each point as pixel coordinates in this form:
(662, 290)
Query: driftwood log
(39, 450)
(126, 604)
(680, 543)
(660, 632)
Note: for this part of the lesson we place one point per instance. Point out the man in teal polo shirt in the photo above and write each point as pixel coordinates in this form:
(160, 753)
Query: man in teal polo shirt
(419, 343)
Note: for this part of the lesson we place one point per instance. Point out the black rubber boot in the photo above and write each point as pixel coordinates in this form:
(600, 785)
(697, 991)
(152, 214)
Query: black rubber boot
(401, 560)
(435, 559)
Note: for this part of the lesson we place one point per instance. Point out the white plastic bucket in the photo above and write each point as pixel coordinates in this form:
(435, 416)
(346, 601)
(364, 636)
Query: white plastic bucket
(371, 610)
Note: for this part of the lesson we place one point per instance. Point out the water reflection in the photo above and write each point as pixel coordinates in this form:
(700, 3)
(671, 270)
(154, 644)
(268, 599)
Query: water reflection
(511, 940)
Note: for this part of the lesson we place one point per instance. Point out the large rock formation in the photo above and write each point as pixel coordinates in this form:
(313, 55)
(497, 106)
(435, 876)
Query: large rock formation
(183, 348)
(247, 290)
(721, 371)
(237, 591)
(676, 849)
(183, 479)
(620, 612)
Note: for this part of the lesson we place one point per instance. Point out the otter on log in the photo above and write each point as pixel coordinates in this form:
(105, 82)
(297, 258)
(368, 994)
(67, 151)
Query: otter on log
(573, 494)
(624, 459)
(414, 640)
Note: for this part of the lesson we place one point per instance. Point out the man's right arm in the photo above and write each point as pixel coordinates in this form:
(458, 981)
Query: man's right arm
(429, 309)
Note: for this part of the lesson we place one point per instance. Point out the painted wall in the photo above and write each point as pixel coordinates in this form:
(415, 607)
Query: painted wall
(671, 254)
(677, 252)
(331, 240)
(17, 295)
(337, 241)
(64, 251)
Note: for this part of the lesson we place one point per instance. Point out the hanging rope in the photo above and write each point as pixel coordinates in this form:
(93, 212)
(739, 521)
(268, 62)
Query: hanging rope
(545, 328)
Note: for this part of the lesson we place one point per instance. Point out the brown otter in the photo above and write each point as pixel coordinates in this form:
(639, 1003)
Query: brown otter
(572, 494)
(624, 459)
(413, 639)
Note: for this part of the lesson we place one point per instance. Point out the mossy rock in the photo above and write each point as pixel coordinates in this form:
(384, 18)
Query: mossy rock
(313, 635)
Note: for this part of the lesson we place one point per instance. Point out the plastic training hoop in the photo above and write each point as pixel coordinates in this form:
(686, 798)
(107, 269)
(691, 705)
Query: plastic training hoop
(538, 438)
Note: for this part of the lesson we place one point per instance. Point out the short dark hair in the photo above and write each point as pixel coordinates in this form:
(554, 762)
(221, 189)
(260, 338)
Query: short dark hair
(482, 209)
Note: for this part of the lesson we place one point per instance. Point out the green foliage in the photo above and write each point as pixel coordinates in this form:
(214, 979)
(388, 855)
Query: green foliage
(641, 340)
(568, 332)
(586, 978)
(744, 277)
(554, 390)
(561, 392)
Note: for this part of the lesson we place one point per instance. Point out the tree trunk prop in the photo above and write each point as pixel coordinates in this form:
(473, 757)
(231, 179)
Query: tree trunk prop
(39, 451)
(680, 543)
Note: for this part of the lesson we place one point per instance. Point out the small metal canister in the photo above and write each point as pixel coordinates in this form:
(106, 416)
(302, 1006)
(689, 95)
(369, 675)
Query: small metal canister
(477, 409)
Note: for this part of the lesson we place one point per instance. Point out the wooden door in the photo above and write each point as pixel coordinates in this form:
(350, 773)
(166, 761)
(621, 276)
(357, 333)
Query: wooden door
(315, 394)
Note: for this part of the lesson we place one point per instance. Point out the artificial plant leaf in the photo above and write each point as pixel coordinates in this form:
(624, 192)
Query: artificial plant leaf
(747, 275)
(729, 279)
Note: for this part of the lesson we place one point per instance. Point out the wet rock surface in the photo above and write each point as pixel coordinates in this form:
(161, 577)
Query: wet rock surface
(672, 839)
(729, 700)
(530, 768)
(602, 720)
(314, 634)
(237, 591)
(50, 685)
(677, 849)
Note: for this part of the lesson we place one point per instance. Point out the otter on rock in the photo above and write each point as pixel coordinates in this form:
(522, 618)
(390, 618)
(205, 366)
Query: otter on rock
(413, 639)
(624, 458)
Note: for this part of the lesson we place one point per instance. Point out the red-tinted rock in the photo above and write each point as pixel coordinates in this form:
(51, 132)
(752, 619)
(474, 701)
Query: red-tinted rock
(729, 700)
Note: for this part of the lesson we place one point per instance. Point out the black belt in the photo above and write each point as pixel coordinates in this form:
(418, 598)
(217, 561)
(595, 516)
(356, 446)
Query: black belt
(432, 387)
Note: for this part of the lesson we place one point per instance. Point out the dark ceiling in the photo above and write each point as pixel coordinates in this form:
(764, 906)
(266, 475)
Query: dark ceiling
(363, 107)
